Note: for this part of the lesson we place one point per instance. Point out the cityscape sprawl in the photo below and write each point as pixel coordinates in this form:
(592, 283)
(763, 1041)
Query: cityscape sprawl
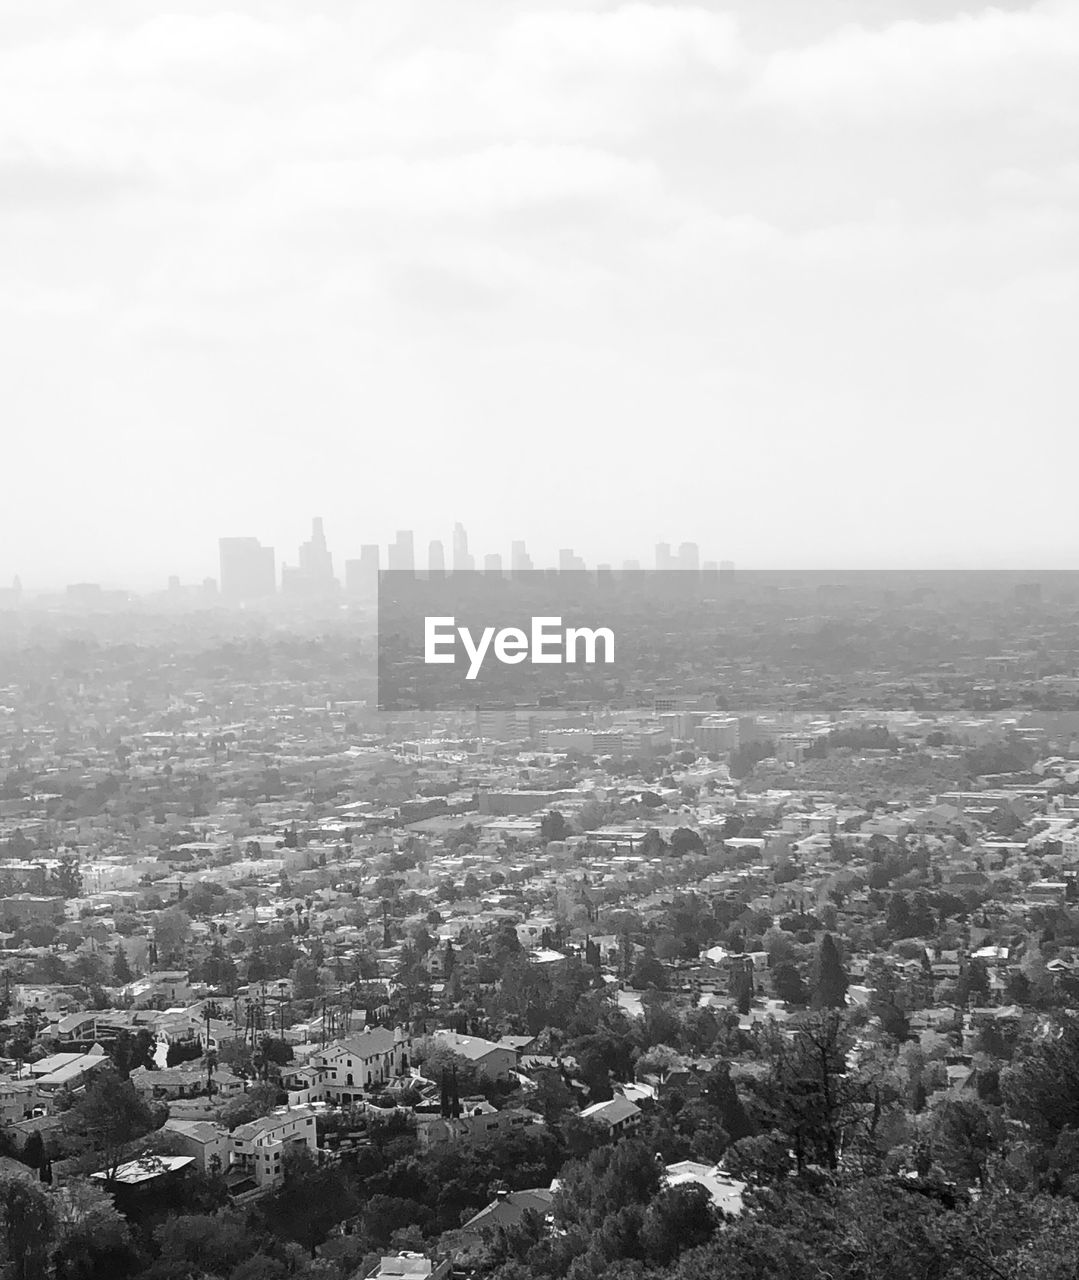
(754, 957)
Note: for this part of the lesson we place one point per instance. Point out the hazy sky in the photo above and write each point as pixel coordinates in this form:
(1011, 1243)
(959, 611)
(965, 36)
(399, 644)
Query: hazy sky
(794, 280)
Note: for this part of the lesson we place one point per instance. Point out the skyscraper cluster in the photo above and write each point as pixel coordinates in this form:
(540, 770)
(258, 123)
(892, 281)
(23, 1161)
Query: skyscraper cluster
(249, 570)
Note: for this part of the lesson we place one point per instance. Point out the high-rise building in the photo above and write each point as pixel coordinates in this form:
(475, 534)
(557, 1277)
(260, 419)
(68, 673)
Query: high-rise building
(462, 559)
(402, 556)
(664, 559)
(498, 720)
(436, 557)
(248, 569)
(568, 561)
(717, 733)
(315, 559)
(689, 557)
(313, 576)
(520, 560)
(492, 563)
(361, 576)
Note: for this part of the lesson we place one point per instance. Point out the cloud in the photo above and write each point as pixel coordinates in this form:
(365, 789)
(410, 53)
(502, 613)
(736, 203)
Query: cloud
(483, 183)
(620, 217)
(38, 184)
(988, 62)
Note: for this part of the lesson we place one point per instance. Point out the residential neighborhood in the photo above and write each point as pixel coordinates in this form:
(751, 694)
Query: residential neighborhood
(451, 992)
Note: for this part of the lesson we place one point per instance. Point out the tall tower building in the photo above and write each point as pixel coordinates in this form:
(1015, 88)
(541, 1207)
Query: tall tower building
(462, 559)
(520, 560)
(492, 563)
(664, 559)
(361, 576)
(436, 557)
(402, 555)
(248, 569)
(689, 557)
(313, 576)
(316, 563)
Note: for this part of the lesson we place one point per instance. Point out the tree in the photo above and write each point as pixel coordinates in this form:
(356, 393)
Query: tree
(27, 1223)
(610, 1179)
(965, 1134)
(808, 1094)
(257, 1102)
(652, 843)
(121, 969)
(67, 878)
(180, 1051)
(552, 1097)
(679, 1218)
(648, 972)
(659, 1060)
(721, 1096)
(132, 1049)
(1017, 987)
(1041, 1086)
(171, 930)
(974, 984)
(33, 1153)
(94, 1241)
(742, 987)
(437, 1061)
(828, 981)
(206, 1244)
(205, 898)
(305, 983)
(275, 1051)
(788, 984)
(898, 917)
(684, 840)
(505, 945)
(599, 1055)
(89, 970)
(219, 968)
(113, 1116)
(553, 826)
(313, 1198)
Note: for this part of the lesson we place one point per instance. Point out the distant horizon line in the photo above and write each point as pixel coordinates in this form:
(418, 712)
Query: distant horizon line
(210, 585)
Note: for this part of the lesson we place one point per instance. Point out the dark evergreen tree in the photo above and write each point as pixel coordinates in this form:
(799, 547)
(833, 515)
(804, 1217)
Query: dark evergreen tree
(829, 979)
(121, 969)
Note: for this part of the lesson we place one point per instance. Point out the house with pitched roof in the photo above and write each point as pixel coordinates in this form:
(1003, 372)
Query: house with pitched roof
(492, 1061)
(507, 1209)
(259, 1148)
(360, 1064)
(618, 1116)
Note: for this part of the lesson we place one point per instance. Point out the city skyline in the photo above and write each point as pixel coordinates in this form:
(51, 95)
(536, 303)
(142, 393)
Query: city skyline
(332, 557)
(247, 567)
